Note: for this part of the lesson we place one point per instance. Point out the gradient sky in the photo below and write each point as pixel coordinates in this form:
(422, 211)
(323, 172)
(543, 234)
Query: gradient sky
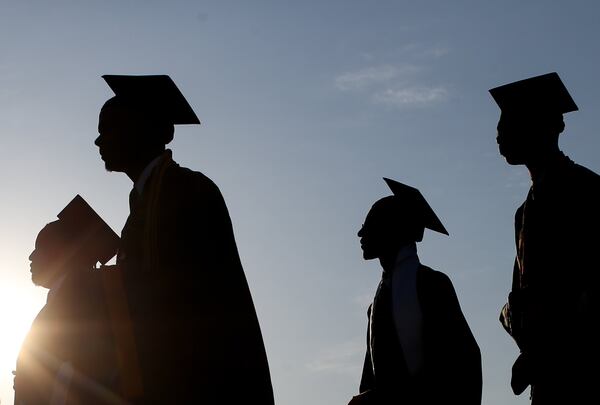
(305, 106)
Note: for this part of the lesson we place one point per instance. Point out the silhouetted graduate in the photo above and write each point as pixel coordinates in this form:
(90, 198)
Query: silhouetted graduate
(552, 310)
(68, 355)
(420, 349)
(195, 331)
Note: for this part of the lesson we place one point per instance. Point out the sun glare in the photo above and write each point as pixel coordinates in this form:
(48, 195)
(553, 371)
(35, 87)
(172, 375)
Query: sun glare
(19, 304)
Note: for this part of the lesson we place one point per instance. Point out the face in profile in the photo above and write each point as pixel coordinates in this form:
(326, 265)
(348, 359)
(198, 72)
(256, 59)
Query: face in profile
(48, 257)
(524, 138)
(384, 230)
(512, 137)
(370, 236)
(119, 139)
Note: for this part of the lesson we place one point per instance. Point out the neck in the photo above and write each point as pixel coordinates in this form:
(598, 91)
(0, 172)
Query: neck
(71, 266)
(388, 260)
(50, 282)
(539, 167)
(134, 171)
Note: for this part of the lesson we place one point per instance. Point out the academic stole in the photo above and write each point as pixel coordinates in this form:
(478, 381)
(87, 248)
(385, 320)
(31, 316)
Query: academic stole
(118, 308)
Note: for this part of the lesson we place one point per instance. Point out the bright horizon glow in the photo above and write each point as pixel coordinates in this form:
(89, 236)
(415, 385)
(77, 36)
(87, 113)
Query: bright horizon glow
(18, 306)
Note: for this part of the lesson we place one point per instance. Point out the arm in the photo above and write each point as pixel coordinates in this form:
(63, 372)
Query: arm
(510, 314)
(367, 381)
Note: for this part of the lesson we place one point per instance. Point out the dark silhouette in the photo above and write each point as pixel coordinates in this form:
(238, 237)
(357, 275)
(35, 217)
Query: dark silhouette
(68, 356)
(553, 307)
(420, 349)
(195, 332)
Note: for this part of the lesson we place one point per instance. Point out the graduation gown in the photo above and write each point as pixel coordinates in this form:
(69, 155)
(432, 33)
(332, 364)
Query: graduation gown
(553, 306)
(68, 351)
(195, 331)
(451, 371)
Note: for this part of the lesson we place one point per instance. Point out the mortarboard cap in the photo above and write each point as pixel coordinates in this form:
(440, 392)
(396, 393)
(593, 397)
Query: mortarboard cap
(414, 198)
(96, 238)
(545, 93)
(156, 93)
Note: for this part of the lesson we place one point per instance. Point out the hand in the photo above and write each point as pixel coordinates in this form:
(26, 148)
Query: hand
(521, 374)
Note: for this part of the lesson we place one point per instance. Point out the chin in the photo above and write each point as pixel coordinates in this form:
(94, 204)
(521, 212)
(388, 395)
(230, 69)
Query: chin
(112, 167)
(511, 160)
(38, 281)
(368, 256)
(511, 157)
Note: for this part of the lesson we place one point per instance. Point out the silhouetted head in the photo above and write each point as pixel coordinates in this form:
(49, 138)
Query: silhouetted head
(389, 225)
(531, 118)
(527, 137)
(135, 126)
(56, 253)
(77, 241)
(397, 220)
(130, 135)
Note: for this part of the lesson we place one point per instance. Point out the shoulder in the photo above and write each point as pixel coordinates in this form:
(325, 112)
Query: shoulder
(79, 295)
(578, 175)
(187, 177)
(439, 299)
(431, 275)
(435, 281)
(584, 174)
(583, 185)
(185, 184)
(84, 284)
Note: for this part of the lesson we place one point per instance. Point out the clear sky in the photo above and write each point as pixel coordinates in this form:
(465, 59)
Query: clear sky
(305, 106)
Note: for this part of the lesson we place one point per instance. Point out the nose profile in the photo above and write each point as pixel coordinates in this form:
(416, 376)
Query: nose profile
(97, 140)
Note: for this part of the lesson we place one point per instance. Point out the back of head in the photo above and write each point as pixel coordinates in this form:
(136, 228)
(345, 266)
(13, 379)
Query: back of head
(134, 119)
(397, 219)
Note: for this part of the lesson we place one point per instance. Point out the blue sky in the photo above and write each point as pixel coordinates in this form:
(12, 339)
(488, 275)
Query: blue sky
(305, 106)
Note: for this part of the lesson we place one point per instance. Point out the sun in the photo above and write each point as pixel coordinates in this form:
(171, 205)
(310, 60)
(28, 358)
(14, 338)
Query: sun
(19, 304)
